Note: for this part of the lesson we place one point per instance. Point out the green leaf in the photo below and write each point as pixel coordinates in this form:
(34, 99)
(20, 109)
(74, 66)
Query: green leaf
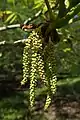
(13, 19)
(67, 3)
(67, 49)
(10, 17)
(65, 20)
(8, 12)
(10, 1)
(38, 4)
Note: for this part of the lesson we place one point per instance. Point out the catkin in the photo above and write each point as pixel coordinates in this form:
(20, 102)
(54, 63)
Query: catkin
(26, 61)
(39, 62)
(50, 65)
(48, 101)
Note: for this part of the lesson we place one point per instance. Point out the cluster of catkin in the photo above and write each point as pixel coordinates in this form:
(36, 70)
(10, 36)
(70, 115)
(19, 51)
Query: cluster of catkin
(34, 64)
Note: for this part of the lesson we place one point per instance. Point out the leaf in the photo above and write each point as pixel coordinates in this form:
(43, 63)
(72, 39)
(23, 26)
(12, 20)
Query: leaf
(64, 21)
(8, 12)
(10, 1)
(13, 19)
(10, 17)
(67, 3)
(73, 3)
(67, 49)
(1, 14)
(38, 4)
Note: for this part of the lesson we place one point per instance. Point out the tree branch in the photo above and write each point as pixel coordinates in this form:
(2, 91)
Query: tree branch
(62, 9)
(19, 25)
(49, 10)
(12, 43)
(10, 27)
(31, 19)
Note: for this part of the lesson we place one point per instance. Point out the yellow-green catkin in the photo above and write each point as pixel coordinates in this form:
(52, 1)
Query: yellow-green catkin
(52, 67)
(33, 74)
(48, 101)
(33, 62)
(50, 64)
(33, 79)
(41, 67)
(26, 61)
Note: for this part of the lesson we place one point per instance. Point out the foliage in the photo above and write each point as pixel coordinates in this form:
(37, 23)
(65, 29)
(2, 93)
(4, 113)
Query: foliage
(14, 11)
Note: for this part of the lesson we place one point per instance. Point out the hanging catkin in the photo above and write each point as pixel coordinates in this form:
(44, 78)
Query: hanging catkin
(50, 65)
(33, 73)
(35, 65)
(26, 61)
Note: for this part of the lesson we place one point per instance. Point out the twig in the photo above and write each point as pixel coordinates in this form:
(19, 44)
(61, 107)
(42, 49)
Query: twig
(31, 19)
(49, 10)
(20, 25)
(10, 27)
(15, 42)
